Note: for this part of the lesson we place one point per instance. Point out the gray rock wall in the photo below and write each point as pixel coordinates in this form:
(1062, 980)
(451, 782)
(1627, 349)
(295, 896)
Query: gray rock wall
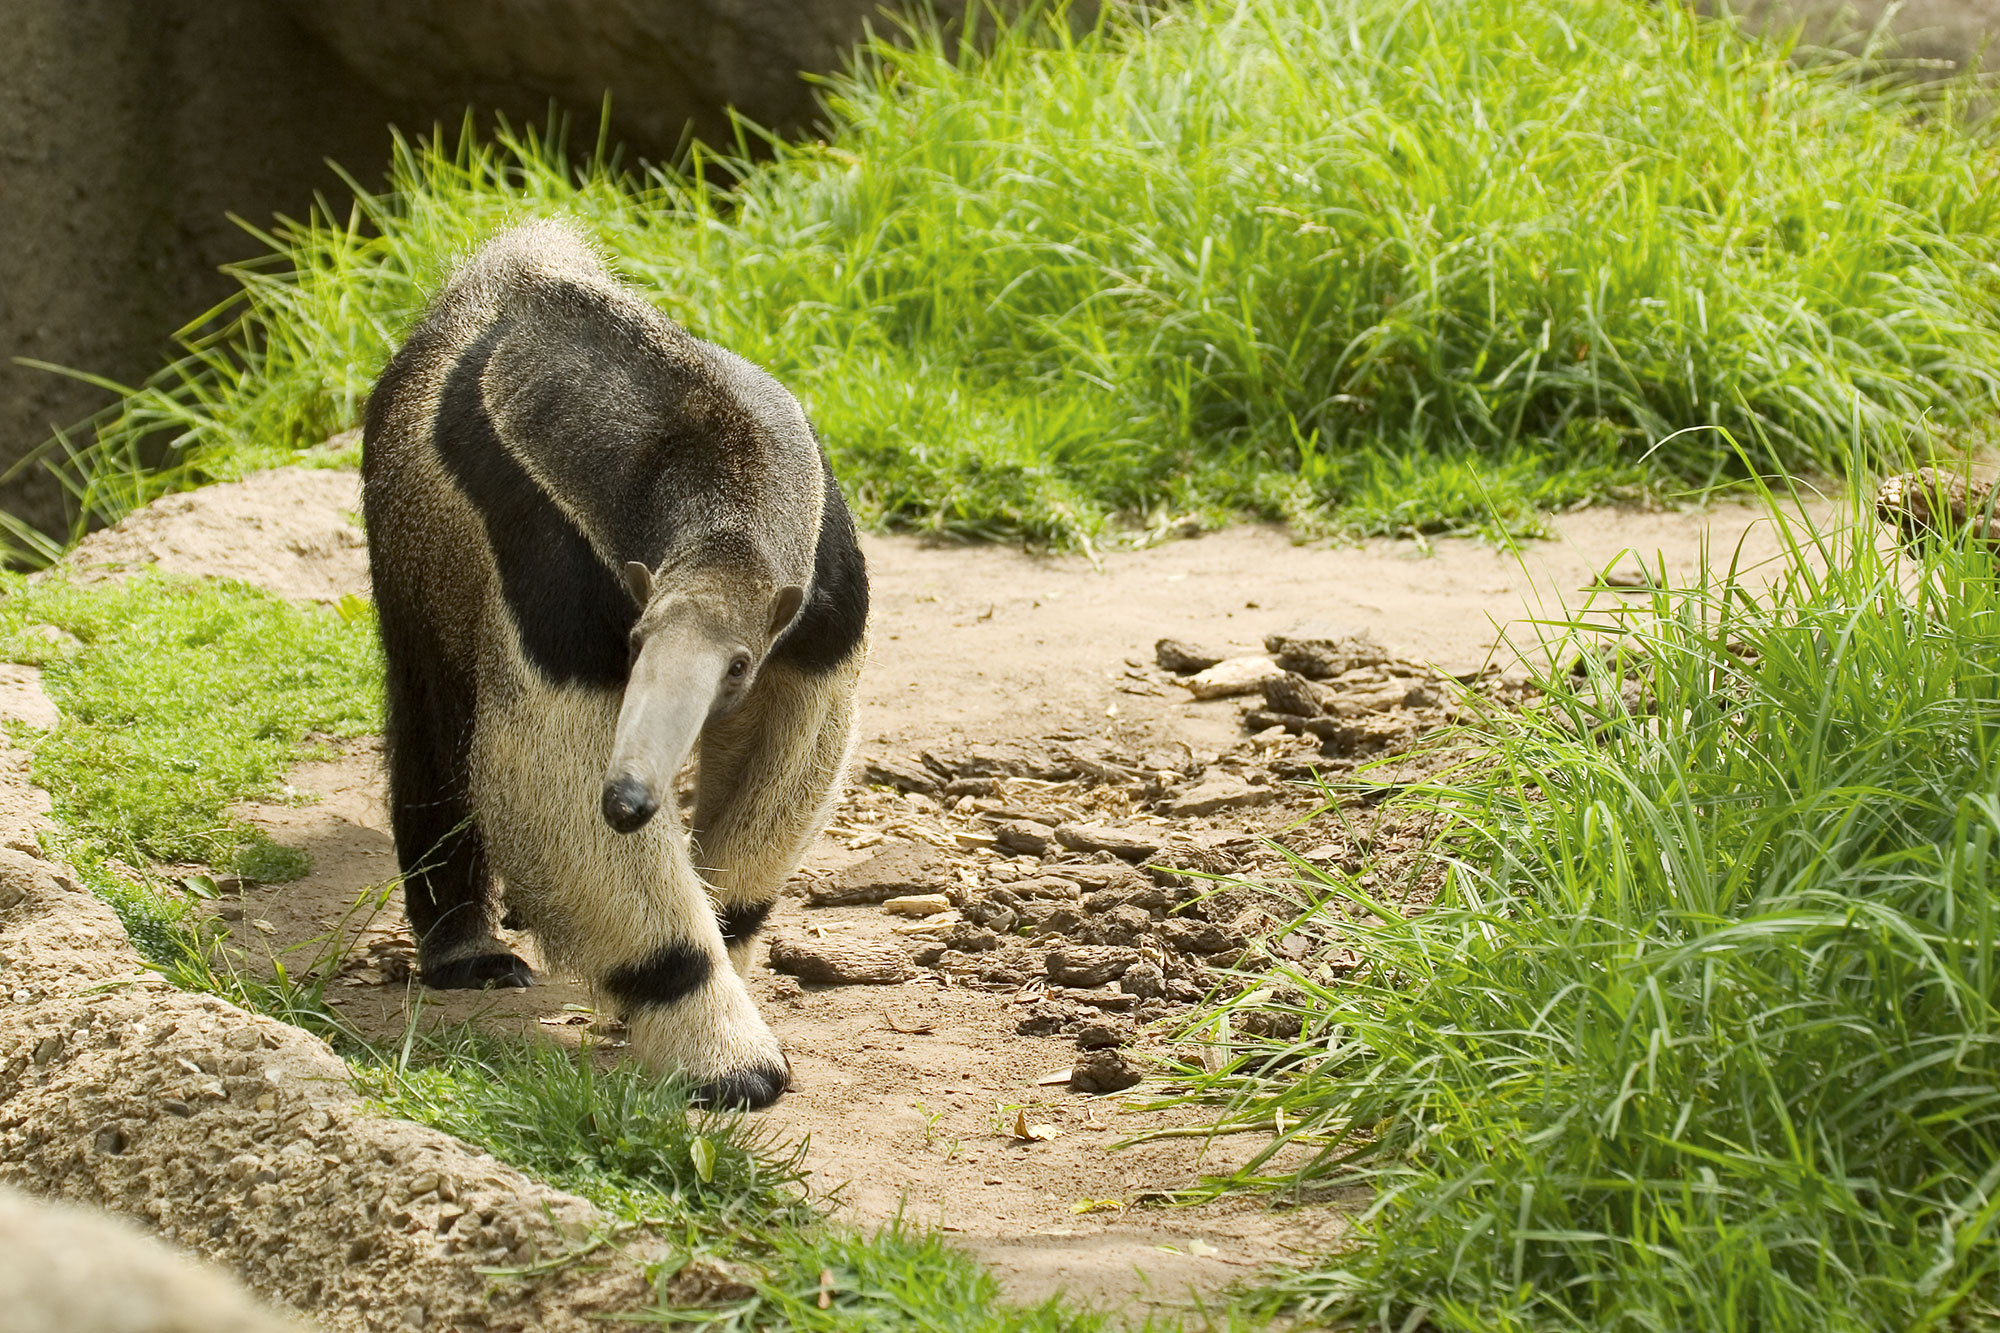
(129, 130)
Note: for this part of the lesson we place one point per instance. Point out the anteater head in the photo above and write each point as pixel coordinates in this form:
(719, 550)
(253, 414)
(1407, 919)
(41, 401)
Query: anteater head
(696, 648)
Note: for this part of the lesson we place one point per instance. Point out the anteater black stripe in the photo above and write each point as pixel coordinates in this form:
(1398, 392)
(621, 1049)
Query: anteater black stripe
(836, 614)
(741, 921)
(573, 614)
(670, 973)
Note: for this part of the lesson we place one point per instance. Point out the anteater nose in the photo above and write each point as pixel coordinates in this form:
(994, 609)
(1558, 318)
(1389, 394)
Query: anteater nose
(628, 804)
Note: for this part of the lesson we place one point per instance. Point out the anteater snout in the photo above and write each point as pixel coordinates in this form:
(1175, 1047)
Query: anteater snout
(628, 804)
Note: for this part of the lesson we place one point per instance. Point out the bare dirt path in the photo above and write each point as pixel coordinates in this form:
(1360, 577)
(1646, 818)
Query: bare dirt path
(910, 1092)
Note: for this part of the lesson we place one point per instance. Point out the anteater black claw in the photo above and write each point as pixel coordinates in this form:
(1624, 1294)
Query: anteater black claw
(487, 971)
(749, 1089)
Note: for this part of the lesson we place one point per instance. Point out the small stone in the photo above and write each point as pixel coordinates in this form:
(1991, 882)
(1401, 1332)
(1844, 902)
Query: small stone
(1087, 965)
(896, 870)
(1184, 659)
(1320, 651)
(243, 1039)
(929, 955)
(917, 904)
(1126, 925)
(1189, 936)
(1129, 842)
(47, 1048)
(174, 1106)
(1237, 675)
(1292, 695)
(1102, 1035)
(424, 1182)
(968, 938)
(1022, 836)
(1050, 918)
(1045, 1018)
(835, 961)
(1143, 980)
(110, 1141)
(1217, 794)
(902, 774)
(242, 1166)
(1102, 1071)
(1056, 888)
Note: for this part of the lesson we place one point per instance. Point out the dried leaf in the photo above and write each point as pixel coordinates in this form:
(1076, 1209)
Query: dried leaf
(1027, 1133)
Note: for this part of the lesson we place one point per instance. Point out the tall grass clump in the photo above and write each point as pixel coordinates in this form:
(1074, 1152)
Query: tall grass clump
(1703, 1030)
(1271, 257)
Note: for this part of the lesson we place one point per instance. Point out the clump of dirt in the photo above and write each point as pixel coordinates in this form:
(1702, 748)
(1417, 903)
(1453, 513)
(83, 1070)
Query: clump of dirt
(291, 532)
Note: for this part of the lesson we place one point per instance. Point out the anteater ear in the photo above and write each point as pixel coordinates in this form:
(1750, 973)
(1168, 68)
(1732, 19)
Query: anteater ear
(639, 581)
(785, 608)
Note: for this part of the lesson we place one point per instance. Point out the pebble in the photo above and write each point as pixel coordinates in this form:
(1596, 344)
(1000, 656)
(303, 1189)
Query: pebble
(1127, 841)
(1217, 794)
(897, 870)
(1101, 1071)
(843, 962)
(917, 904)
(1236, 675)
(1184, 659)
(1087, 965)
(1023, 835)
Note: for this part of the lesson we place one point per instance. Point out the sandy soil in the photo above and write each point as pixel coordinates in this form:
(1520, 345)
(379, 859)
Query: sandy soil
(908, 1092)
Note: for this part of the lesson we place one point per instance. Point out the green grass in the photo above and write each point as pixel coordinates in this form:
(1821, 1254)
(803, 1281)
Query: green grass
(1704, 1029)
(178, 698)
(1371, 265)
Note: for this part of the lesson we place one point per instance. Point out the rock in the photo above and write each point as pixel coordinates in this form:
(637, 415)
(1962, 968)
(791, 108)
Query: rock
(1149, 896)
(1260, 720)
(62, 1267)
(1103, 1071)
(969, 938)
(991, 913)
(1144, 980)
(1184, 659)
(1292, 695)
(1002, 972)
(902, 774)
(1050, 918)
(1005, 761)
(1200, 937)
(1131, 842)
(1217, 794)
(972, 787)
(834, 961)
(1123, 926)
(1362, 735)
(899, 869)
(917, 904)
(1237, 675)
(1320, 651)
(1023, 836)
(1088, 965)
(929, 955)
(1053, 887)
(1102, 1035)
(1046, 1017)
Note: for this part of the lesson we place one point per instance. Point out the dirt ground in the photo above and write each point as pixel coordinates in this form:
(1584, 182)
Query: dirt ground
(1010, 701)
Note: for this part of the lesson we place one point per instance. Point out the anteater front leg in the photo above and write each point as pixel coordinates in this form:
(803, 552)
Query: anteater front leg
(770, 774)
(625, 910)
(447, 889)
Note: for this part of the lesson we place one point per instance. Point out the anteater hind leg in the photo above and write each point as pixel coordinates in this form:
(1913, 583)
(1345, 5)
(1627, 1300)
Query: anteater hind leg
(447, 890)
(770, 773)
(626, 910)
